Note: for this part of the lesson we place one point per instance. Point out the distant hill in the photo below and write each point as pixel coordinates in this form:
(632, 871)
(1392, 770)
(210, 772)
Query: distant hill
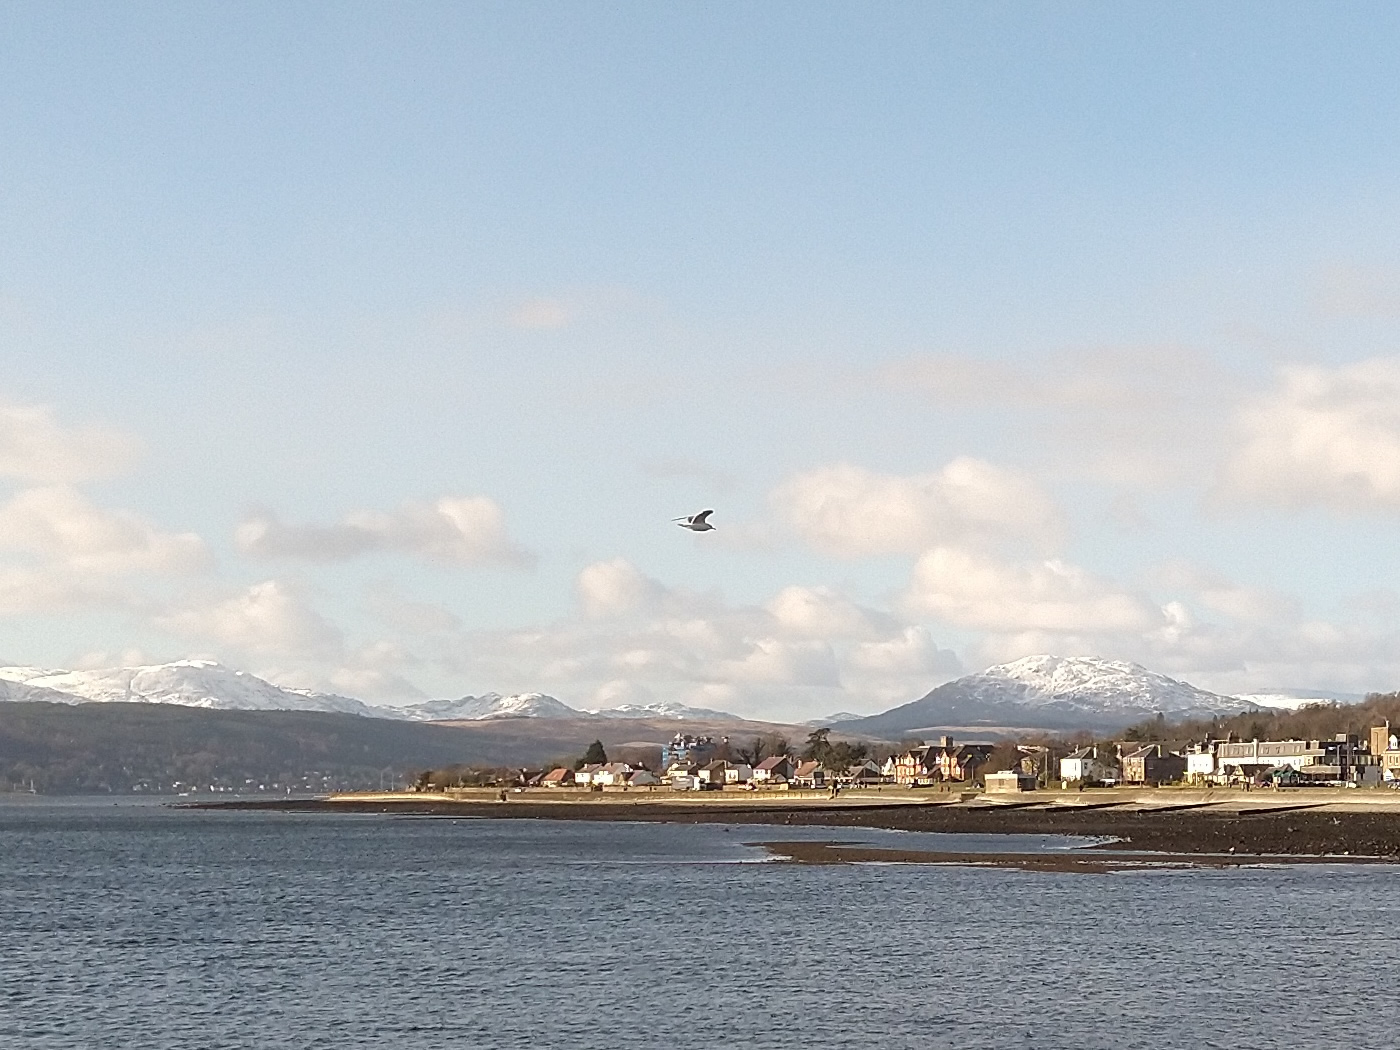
(96, 747)
(207, 684)
(1052, 693)
(187, 683)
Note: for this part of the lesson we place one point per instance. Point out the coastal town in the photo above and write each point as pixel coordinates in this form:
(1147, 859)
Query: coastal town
(706, 763)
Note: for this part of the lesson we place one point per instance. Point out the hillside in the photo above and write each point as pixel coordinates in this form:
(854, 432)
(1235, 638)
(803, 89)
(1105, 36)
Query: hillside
(94, 747)
(1051, 693)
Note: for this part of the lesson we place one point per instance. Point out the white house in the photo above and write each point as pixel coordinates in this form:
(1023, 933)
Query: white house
(737, 773)
(584, 776)
(614, 774)
(1200, 764)
(779, 767)
(1085, 767)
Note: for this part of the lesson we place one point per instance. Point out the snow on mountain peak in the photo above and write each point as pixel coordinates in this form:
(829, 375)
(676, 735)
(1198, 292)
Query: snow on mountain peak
(189, 683)
(660, 709)
(1092, 681)
(490, 705)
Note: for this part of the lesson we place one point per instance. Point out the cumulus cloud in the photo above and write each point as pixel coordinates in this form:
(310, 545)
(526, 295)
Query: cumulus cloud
(266, 618)
(1321, 437)
(614, 588)
(1215, 592)
(26, 590)
(972, 589)
(61, 525)
(910, 653)
(820, 612)
(804, 652)
(453, 530)
(778, 662)
(35, 447)
(848, 511)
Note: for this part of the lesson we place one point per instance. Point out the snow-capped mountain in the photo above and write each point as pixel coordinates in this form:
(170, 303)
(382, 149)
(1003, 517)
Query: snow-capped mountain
(1294, 699)
(663, 709)
(1053, 692)
(18, 690)
(491, 705)
(831, 720)
(205, 683)
(191, 683)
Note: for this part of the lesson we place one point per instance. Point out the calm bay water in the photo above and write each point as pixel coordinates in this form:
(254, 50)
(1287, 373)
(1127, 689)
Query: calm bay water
(139, 926)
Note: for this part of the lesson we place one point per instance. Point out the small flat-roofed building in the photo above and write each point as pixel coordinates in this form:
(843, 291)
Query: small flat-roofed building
(1010, 780)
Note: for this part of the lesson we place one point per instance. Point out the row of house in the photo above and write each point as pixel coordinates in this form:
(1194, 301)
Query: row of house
(1344, 759)
(688, 765)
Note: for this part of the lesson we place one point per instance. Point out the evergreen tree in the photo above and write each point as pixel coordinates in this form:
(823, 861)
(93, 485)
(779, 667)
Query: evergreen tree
(595, 755)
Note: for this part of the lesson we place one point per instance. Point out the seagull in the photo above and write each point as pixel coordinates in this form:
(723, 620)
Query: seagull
(696, 522)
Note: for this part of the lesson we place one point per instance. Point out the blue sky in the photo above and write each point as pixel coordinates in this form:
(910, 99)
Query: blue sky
(371, 347)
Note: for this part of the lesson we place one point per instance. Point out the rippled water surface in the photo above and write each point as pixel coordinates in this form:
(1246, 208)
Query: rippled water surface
(132, 926)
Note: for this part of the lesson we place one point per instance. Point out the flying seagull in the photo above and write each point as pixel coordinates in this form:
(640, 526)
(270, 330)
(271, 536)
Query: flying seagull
(696, 522)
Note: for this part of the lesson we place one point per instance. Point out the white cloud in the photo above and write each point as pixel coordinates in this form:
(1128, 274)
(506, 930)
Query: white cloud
(35, 447)
(614, 588)
(1325, 437)
(820, 612)
(26, 590)
(60, 524)
(846, 510)
(971, 589)
(776, 662)
(912, 652)
(268, 618)
(1213, 591)
(453, 530)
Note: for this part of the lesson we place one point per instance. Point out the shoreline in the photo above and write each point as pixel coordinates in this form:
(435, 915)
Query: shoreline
(1337, 828)
(1084, 862)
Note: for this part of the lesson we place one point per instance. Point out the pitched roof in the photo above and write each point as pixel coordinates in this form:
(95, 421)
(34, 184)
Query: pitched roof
(806, 769)
(554, 776)
(772, 763)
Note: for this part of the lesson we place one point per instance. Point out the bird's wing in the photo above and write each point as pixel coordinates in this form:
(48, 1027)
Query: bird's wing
(699, 519)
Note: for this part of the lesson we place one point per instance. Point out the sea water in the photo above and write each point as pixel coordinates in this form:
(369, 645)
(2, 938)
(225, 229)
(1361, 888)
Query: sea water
(144, 926)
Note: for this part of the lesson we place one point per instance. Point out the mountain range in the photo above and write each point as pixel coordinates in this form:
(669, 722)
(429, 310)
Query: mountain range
(1038, 692)
(211, 685)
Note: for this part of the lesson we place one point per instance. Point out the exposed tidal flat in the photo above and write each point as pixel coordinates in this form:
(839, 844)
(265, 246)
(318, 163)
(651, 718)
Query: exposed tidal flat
(1332, 823)
(162, 927)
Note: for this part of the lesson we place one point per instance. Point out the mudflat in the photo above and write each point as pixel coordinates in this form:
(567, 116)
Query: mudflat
(1336, 824)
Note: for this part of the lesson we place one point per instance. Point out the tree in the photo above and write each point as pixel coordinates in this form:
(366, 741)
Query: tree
(818, 747)
(594, 756)
(843, 754)
(767, 746)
